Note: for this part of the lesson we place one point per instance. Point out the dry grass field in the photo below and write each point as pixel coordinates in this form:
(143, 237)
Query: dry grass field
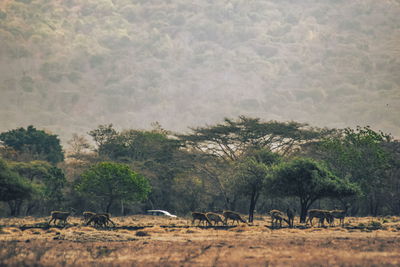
(156, 241)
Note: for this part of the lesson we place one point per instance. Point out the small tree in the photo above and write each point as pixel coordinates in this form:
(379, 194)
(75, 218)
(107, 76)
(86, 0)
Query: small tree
(109, 182)
(308, 180)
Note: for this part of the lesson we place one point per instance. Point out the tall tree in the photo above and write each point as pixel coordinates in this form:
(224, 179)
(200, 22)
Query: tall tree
(308, 180)
(32, 144)
(223, 144)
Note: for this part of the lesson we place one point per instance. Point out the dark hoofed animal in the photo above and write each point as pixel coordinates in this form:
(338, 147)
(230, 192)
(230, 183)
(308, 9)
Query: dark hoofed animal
(234, 216)
(60, 216)
(214, 217)
(201, 217)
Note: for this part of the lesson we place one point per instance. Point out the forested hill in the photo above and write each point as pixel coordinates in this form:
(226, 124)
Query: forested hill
(69, 65)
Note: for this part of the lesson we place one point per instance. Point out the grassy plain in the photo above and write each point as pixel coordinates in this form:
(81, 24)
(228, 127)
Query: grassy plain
(155, 241)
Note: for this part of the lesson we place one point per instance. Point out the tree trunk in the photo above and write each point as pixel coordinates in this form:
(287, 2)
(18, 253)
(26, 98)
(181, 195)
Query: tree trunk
(29, 208)
(303, 212)
(253, 202)
(110, 202)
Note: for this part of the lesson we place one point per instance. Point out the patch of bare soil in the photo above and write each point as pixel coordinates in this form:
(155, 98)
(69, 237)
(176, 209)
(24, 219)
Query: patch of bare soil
(164, 242)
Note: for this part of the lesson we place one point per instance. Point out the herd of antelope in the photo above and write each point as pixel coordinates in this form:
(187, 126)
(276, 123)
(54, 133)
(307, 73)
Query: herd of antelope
(329, 215)
(211, 218)
(97, 219)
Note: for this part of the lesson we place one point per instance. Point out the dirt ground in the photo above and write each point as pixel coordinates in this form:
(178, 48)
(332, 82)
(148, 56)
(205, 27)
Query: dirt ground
(155, 241)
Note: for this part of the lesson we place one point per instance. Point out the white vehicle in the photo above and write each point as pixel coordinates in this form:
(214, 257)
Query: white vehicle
(161, 213)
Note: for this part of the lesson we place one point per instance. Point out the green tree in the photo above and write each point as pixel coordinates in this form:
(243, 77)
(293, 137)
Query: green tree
(108, 182)
(48, 180)
(308, 180)
(13, 187)
(33, 144)
(360, 155)
(153, 153)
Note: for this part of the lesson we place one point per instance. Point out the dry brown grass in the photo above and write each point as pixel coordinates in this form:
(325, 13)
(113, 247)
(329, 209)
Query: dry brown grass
(170, 242)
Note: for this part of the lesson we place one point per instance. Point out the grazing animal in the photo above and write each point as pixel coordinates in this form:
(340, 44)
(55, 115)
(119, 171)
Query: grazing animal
(276, 216)
(108, 216)
(214, 217)
(233, 216)
(201, 217)
(338, 214)
(98, 220)
(60, 216)
(321, 215)
(290, 215)
(87, 215)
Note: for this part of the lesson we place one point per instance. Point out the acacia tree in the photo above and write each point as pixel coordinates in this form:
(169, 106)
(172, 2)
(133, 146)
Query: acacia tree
(308, 180)
(109, 182)
(219, 146)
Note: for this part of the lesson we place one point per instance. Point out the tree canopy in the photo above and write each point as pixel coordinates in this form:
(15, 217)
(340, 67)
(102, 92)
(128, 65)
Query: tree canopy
(12, 185)
(309, 180)
(360, 155)
(109, 182)
(33, 143)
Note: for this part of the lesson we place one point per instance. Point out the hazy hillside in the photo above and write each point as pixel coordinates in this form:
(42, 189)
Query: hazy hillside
(69, 65)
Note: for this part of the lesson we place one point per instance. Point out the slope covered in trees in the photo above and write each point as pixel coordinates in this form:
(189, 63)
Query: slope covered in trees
(71, 65)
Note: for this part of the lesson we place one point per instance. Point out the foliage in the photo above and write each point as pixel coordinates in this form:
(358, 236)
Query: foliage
(309, 180)
(37, 144)
(222, 145)
(109, 182)
(48, 181)
(233, 138)
(13, 186)
(360, 155)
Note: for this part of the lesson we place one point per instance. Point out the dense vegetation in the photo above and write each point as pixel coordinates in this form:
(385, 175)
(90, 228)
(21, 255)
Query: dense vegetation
(71, 65)
(243, 164)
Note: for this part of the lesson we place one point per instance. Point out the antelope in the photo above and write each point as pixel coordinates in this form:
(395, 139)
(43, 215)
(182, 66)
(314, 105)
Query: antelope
(321, 215)
(108, 215)
(290, 215)
(60, 216)
(338, 214)
(87, 215)
(233, 216)
(276, 216)
(201, 217)
(214, 217)
(98, 220)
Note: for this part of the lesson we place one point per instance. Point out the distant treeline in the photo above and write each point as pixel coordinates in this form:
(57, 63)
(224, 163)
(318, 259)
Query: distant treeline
(242, 164)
